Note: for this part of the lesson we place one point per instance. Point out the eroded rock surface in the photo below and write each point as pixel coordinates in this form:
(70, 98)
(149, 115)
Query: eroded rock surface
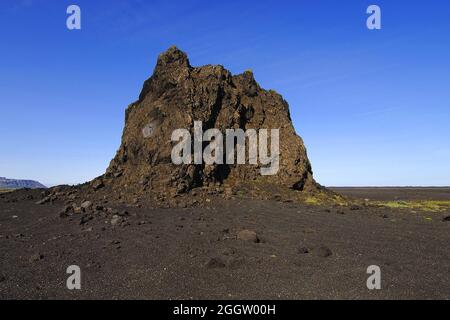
(178, 94)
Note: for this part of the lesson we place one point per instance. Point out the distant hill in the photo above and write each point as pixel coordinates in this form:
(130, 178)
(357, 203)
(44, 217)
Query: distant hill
(19, 184)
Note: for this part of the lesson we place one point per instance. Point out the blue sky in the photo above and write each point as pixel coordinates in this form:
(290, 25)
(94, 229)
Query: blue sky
(373, 107)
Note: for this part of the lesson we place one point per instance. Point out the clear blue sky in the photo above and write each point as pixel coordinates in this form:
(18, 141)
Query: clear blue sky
(372, 106)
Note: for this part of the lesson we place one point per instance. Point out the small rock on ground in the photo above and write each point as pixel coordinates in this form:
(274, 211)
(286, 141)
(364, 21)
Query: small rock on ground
(323, 252)
(248, 235)
(215, 263)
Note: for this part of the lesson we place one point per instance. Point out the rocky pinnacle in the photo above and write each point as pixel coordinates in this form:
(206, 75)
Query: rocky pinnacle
(178, 94)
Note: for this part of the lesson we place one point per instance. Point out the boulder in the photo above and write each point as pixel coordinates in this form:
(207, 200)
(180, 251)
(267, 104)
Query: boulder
(248, 235)
(86, 205)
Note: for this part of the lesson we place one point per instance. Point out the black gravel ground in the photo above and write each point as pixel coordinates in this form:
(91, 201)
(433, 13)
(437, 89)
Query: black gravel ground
(299, 252)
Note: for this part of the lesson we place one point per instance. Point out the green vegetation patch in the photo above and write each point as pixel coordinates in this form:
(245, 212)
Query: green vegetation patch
(423, 205)
(323, 198)
(313, 200)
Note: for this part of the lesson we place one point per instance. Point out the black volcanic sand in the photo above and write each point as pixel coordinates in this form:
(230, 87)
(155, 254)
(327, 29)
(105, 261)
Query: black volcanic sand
(302, 252)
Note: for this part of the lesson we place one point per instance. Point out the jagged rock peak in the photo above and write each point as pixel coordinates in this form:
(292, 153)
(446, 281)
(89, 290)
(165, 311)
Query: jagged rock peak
(176, 96)
(173, 57)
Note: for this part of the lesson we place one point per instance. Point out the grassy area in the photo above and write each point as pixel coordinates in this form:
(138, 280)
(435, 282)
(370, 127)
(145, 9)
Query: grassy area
(5, 190)
(312, 201)
(325, 199)
(419, 205)
(422, 205)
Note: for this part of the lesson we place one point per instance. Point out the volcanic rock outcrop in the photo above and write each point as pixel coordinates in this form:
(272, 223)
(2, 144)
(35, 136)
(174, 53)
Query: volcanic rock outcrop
(178, 94)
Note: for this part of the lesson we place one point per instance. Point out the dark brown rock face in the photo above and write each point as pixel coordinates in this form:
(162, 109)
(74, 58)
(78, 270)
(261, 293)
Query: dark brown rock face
(178, 94)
